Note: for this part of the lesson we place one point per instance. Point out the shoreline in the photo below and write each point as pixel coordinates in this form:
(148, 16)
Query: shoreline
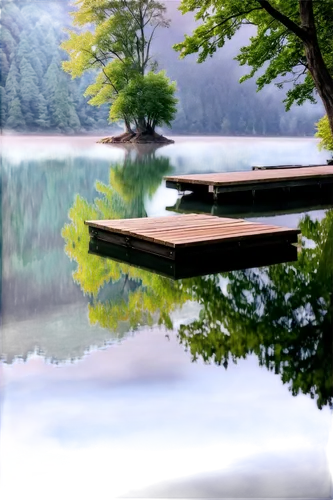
(100, 135)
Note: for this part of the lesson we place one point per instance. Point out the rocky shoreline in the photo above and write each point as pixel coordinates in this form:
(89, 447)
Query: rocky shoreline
(136, 138)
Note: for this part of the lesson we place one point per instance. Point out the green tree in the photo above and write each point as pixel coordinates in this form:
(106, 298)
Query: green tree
(119, 48)
(293, 40)
(324, 133)
(147, 100)
(15, 119)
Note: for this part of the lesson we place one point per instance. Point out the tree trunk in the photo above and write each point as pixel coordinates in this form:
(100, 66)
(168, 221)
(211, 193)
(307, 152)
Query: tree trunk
(316, 64)
(128, 127)
(321, 78)
(142, 126)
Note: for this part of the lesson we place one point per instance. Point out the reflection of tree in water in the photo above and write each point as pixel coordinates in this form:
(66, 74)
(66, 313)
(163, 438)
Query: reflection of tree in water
(37, 287)
(282, 313)
(119, 292)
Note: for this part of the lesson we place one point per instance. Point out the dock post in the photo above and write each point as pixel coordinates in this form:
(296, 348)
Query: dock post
(214, 191)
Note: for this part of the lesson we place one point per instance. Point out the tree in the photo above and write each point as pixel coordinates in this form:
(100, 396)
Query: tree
(293, 40)
(324, 133)
(119, 48)
(147, 101)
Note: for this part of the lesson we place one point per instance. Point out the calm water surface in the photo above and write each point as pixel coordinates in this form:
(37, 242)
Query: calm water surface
(119, 382)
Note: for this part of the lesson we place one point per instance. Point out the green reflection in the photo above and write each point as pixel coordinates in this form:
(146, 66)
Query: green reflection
(282, 313)
(136, 297)
(41, 307)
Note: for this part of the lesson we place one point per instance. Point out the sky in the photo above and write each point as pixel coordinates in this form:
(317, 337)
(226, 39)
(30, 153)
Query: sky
(138, 419)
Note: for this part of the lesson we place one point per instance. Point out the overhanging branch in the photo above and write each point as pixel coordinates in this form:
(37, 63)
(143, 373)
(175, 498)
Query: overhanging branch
(286, 21)
(97, 59)
(226, 19)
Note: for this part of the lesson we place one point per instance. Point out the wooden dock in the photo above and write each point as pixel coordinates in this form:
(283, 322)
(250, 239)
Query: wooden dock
(278, 167)
(181, 236)
(253, 181)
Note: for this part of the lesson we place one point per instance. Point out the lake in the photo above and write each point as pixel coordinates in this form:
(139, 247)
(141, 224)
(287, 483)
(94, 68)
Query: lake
(118, 382)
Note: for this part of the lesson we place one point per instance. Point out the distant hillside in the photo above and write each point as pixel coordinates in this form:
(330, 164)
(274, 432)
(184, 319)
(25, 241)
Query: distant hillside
(38, 97)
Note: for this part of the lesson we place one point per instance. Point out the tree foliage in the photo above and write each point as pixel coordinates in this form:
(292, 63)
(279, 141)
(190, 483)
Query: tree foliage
(36, 95)
(117, 44)
(293, 42)
(324, 133)
(149, 98)
(208, 104)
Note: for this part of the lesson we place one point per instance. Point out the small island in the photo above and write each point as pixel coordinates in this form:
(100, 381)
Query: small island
(136, 138)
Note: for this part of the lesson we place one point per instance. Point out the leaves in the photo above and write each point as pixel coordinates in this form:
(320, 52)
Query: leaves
(117, 45)
(149, 97)
(324, 133)
(274, 51)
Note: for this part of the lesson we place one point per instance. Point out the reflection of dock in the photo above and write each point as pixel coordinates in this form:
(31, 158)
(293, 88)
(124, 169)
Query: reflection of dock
(255, 183)
(229, 260)
(190, 203)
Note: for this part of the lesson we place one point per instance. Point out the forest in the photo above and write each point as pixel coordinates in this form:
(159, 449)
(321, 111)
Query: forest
(38, 97)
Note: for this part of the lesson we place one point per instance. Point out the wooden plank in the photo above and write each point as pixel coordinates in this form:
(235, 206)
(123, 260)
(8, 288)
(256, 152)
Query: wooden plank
(161, 220)
(168, 234)
(191, 226)
(255, 229)
(206, 239)
(131, 224)
(258, 176)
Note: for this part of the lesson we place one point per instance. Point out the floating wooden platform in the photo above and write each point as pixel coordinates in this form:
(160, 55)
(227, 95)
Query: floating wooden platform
(181, 236)
(253, 181)
(218, 262)
(278, 167)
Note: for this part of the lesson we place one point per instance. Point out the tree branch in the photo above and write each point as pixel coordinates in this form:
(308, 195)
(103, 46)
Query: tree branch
(113, 53)
(286, 21)
(148, 45)
(226, 19)
(97, 59)
(138, 50)
(296, 77)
